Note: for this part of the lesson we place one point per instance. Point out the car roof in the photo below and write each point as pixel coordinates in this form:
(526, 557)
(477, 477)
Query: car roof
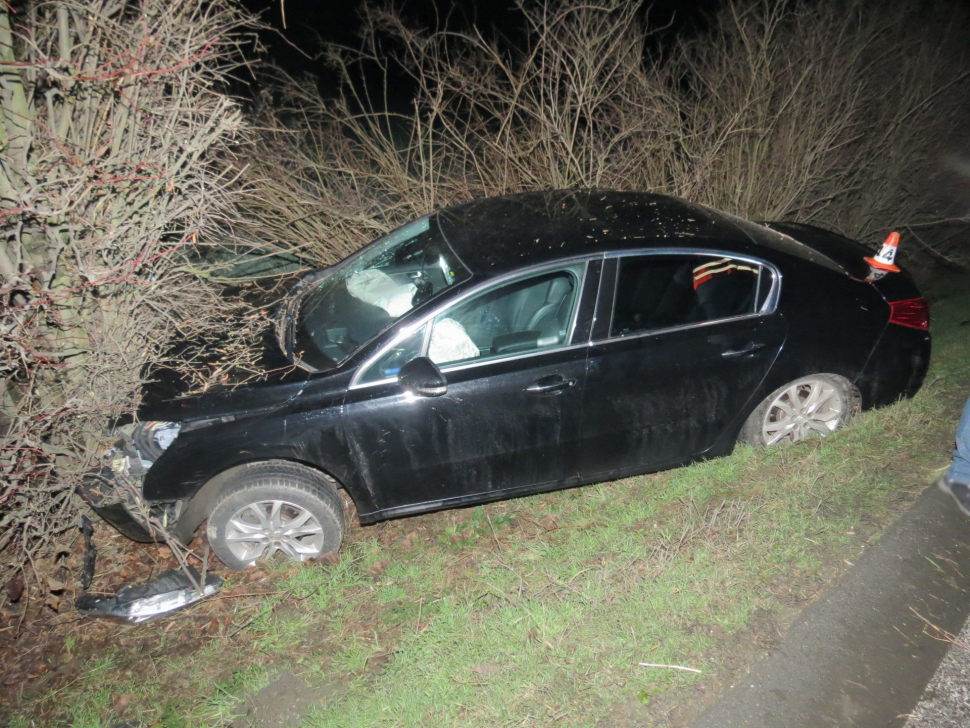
(496, 235)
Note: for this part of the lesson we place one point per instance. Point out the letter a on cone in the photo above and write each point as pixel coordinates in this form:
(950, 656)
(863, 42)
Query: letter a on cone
(887, 256)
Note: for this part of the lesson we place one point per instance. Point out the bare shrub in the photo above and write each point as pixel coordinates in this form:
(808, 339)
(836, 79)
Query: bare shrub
(819, 112)
(308, 190)
(823, 112)
(114, 117)
(574, 107)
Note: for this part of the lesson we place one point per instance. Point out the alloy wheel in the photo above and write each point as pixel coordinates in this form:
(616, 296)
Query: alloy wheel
(811, 406)
(261, 529)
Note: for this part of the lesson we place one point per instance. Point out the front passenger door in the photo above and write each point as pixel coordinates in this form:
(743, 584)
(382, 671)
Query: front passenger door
(512, 407)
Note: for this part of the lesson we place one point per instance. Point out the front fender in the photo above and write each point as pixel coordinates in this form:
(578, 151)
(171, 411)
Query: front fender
(195, 458)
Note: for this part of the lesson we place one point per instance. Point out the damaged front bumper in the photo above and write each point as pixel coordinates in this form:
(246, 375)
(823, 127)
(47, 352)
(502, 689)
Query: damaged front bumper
(102, 490)
(114, 490)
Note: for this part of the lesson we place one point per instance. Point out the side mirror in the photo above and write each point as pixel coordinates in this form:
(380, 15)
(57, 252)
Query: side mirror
(421, 376)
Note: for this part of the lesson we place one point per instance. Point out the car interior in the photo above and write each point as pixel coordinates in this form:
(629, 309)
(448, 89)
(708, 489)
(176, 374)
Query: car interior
(659, 292)
(341, 318)
(653, 293)
(525, 315)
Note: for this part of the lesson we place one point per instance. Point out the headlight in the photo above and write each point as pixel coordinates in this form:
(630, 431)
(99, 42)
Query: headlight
(151, 439)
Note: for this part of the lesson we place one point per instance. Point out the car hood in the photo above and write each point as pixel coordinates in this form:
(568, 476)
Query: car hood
(270, 383)
(250, 399)
(230, 403)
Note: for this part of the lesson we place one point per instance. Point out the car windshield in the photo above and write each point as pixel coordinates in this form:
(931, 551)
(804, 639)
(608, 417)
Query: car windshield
(372, 289)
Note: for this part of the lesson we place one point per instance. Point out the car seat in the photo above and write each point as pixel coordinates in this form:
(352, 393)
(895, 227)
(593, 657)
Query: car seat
(727, 293)
(657, 293)
(549, 318)
(539, 315)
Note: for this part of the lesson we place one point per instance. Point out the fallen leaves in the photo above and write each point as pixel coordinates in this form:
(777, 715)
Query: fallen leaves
(486, 669)
(15, 588)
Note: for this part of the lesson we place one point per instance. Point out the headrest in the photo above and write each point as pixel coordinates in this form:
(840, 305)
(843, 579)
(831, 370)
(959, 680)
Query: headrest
(558, 288)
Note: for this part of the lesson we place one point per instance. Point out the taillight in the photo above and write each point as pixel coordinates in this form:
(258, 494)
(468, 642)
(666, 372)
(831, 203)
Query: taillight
(913, 312)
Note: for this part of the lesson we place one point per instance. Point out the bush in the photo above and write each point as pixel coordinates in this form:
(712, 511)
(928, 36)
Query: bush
(116, 122)
(816, 111)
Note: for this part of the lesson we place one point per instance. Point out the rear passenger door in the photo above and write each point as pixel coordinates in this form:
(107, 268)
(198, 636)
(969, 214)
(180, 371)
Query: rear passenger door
(681, 343)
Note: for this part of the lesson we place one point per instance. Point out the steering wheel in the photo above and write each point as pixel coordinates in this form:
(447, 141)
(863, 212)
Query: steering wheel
(346, 344)
(414, 252)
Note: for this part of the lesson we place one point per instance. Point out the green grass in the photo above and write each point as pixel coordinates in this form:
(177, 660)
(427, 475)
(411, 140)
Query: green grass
(538, 610)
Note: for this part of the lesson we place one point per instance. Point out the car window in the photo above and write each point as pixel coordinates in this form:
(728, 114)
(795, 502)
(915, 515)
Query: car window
(395, 357)
(379, 284)
(525, 315)
(664, 291)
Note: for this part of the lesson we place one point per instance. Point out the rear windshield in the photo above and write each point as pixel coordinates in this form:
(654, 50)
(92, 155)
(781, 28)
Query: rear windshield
(783, 243)
(370, 290)
(844, 251)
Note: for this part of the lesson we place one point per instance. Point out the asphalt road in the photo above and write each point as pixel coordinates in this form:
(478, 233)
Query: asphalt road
(862, 655)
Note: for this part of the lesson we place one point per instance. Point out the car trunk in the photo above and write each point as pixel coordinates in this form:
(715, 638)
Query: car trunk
(850, 256)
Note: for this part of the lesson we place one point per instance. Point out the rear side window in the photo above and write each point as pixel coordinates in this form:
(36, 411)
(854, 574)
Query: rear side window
(665, 291)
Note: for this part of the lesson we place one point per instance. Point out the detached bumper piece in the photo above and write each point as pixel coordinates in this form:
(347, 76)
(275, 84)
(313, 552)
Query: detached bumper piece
(172, 590)
(100, 489)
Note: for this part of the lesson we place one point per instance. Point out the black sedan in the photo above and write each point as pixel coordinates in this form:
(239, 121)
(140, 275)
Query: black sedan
(521, 344)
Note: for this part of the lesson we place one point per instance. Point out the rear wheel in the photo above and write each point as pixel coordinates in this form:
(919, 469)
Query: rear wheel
(275, 507)
(815, 405)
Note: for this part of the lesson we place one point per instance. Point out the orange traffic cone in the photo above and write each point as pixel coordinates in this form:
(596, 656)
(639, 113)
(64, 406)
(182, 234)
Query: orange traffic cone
(887, 256)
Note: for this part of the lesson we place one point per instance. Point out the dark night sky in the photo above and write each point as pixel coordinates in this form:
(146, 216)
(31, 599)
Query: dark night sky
(309, 23)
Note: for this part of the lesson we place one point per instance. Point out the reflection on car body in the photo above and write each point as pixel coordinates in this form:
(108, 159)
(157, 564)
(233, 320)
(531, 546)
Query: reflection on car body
(525, 343)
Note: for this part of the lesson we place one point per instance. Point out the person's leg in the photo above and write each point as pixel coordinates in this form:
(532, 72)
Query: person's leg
(956, 482)
(960, 469)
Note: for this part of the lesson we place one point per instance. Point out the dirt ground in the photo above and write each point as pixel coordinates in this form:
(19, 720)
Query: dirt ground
(46, 645)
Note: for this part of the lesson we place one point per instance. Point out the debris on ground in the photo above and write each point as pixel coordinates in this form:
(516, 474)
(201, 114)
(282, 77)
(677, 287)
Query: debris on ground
(173, 589)
(90, 553)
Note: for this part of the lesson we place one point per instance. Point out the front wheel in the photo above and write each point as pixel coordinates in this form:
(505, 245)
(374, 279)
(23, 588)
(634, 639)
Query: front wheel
(275, 507)
(815, 405)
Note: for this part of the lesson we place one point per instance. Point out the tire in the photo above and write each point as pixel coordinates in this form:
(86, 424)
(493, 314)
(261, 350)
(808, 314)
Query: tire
(822, 404)
(262, 502)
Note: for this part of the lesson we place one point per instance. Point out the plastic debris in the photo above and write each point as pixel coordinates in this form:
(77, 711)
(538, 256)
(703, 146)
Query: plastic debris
(90, 553)
(172, 590)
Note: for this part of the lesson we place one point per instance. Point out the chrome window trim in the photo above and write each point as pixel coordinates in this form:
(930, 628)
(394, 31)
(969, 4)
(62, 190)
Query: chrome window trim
(671, 329)
(485, 286)
(767, 308)
(405, 333)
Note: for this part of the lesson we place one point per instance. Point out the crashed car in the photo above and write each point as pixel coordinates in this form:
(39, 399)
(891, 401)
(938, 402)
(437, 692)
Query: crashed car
(520, 344)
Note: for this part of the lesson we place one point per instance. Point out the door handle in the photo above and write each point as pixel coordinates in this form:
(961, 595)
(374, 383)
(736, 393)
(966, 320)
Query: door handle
(751, 348)
(554, 383)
